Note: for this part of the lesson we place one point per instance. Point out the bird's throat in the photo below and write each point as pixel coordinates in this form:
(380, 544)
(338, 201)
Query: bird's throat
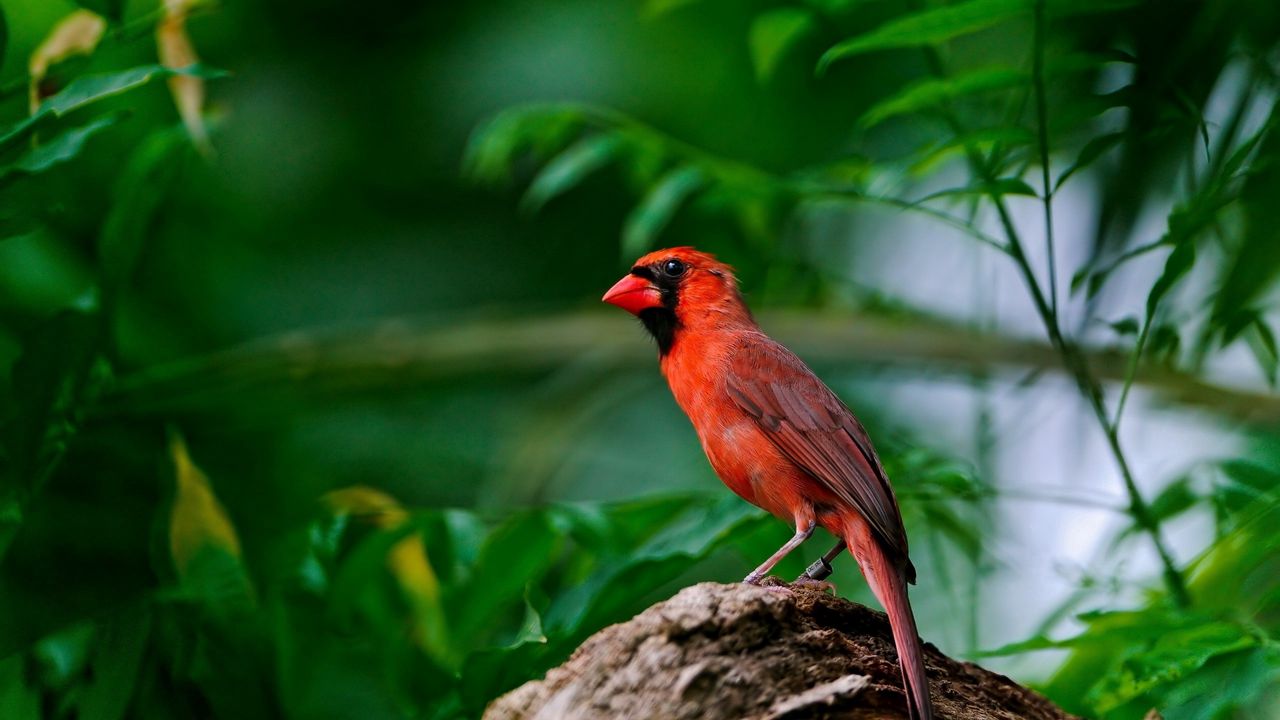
(662, 324)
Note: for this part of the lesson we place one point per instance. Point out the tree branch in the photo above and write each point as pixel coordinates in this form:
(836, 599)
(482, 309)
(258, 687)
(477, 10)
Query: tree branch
(395, 354)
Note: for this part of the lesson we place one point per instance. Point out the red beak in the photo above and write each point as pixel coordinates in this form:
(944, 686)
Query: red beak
(633, 294)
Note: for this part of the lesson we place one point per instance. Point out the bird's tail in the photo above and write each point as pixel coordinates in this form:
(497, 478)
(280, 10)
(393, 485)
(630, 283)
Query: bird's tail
(889, 584)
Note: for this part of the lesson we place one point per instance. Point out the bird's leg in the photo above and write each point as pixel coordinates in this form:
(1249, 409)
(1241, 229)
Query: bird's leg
(821, 568)
(802, 533)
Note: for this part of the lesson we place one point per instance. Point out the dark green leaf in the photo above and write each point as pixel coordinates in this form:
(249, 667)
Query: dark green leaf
(513, 555)
(4, 37)
(89, 89)
(773, 33)
(489, 672)
(1177, 265)
(1002, 186)
(1175, 499)
(617, 588)
(1125, 326)
(50, 380)
(112, 10)
(1254, 265)
(539, 130)
(117, 657)
(569, 168)
(60, 149)
(933, 93)
(984, 139)
(647, 220)
(1171, 658)
(149, 177)
(1092, 150)
(1263, 344)
(928, 27)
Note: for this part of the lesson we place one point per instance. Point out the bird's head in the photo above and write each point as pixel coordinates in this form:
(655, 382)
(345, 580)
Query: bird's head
(679, 288)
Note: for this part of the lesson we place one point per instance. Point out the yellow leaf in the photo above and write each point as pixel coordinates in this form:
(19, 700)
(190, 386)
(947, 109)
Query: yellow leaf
(177, 52)
(407, 560)
(197, 521)
(367, 504)
(76, 34)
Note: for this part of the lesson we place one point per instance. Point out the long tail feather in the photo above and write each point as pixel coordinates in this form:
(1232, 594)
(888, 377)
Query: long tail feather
(889, 584)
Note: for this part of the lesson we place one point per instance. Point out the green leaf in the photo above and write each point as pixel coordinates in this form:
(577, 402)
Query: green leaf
(1175, 499)
(772, 34)
(1171, 658)
(928, 27)
(1177, 265)
(1125, 326)
(657, 8)
(1251, 270)
(112, 10)
(540, 130)
(115, 663)
(647, 220)
(4, 36)
(142, 189)
(489, 672)
(932, 93)
(1094, 149)
(982, 139)
(89, 89)
(513, 555)
(616, 589)
(1002, 186)
(569, 168)
(50, 380)
(60, 149)
(1263, 344)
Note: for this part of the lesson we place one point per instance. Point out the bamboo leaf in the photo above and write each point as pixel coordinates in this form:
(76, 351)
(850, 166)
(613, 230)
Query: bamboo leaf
(984, 139)
(569, 168)
(931, 93)
(1094, 149)
(772, 34)
(927, 27)
(647, 220)
(1176, 266)
(1002, 186)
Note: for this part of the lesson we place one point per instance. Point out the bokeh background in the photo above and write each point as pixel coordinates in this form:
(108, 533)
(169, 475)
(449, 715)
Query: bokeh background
(312, 410)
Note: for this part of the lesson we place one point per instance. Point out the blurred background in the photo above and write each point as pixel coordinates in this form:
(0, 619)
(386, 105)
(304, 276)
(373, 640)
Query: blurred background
(312, 409)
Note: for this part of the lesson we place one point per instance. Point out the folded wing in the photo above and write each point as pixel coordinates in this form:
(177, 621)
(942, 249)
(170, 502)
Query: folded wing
(814, 429)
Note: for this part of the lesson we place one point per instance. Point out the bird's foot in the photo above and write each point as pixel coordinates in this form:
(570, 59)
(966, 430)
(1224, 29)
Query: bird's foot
(808, 583)
(767, 582)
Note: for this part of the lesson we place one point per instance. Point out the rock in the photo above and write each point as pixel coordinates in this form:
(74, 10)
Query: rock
(716, 652)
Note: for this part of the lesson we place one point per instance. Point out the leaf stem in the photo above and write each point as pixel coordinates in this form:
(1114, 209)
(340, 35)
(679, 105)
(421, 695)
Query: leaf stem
(1042, 127)
(1074, 361)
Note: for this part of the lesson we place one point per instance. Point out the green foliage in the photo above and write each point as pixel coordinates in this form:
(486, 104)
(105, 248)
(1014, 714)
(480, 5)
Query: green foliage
(377, 528)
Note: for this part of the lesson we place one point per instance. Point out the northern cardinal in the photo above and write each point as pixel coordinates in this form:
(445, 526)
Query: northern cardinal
(774, 433)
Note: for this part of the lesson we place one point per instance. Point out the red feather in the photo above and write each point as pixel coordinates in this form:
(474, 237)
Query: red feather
(774, 433)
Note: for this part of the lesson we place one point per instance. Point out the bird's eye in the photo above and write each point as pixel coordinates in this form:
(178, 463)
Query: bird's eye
(673, 268)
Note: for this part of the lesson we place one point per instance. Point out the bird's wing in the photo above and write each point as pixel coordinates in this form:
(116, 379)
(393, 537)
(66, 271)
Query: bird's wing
(814, 429)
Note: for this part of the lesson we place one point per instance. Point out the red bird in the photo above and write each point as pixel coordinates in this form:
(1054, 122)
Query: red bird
(774, 433)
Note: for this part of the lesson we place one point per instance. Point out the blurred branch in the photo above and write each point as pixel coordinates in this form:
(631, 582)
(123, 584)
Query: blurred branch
(402, 353)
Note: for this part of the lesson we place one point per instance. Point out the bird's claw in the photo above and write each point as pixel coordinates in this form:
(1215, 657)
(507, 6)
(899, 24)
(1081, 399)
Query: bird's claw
(809, 583)
(753, 578)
